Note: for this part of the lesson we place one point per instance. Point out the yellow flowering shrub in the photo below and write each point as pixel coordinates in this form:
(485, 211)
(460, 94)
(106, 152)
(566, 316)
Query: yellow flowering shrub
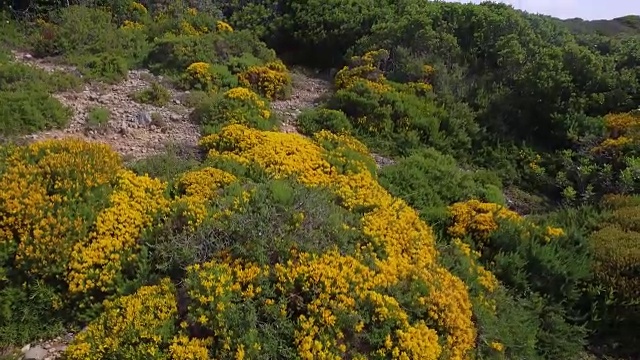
(136, 7)
(198, 76)
(476, 218)
(271, 80)
(364, 68)
(50, 191)
(222, 26)
(623, 131)
(400, 244)
(197, 188)
(97, 261)
(386, 295)
(133, 327)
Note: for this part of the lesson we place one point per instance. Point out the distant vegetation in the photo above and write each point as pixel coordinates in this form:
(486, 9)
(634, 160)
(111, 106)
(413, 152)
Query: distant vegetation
(507, 228)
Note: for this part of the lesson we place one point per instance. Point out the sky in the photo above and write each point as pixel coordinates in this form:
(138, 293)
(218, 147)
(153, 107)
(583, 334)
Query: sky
(585, 9)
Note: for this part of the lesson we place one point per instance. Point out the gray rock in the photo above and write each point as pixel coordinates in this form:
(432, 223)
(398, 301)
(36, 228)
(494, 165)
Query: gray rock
(36, 353)
(143, 118)
(26, 348)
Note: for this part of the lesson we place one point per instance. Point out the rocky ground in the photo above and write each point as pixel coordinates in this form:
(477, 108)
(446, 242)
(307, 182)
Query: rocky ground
(130, 130)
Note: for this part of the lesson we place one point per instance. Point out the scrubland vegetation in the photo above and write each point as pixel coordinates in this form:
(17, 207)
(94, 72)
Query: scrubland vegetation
(508, 226)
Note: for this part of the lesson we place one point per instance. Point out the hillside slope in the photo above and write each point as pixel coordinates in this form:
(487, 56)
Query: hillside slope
(464, 187)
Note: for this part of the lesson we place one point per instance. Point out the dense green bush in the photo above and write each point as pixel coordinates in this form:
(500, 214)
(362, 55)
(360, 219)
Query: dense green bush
(430, 181)
(616, 284)
(105, 67)
(398, 122)
(30, 111)
(313, 120)
(173, 53)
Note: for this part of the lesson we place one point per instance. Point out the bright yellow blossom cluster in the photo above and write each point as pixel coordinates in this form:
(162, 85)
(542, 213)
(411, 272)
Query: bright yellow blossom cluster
(198, 187)
(222, 26)
(138, 325)
(477, 218)
(46, 189)
(97, 261)
(198, 76)
(271, 80)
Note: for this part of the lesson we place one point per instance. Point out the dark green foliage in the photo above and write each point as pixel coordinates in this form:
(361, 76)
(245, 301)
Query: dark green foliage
(552, 272)
(173, 54)
(313, 120)
(26, 314)
(396, 122)
(105, 67)
(30, 111)
(429, 181)
(76, 29)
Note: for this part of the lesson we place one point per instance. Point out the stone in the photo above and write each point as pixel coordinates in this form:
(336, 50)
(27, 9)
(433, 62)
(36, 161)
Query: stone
(26, 348)
(143, 118)
(36, 353)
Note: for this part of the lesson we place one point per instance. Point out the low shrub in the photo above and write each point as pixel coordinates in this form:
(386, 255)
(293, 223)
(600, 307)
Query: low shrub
(313, 120)
(206, 77)
(98, 116)
(20, 77)
(105, 67)
(235, 106)
(430, 181)
(155, 94)
(30, 111)
(271, 80)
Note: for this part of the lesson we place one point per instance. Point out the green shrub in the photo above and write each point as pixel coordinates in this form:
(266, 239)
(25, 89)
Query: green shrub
(429, 181)
(551, 270)
(172, 54)
(21, 77)
(399, 122)
(29, 111)
(155, 94)
(313, 120)
(174, 160)
(78, 30)
(27, 313)
(500, 315)
(206, 77)
(98, 118)
(616, 287)
(105, 67)
(270, 210)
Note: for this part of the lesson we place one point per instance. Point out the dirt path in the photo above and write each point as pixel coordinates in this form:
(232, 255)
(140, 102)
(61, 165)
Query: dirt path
(307, 93)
